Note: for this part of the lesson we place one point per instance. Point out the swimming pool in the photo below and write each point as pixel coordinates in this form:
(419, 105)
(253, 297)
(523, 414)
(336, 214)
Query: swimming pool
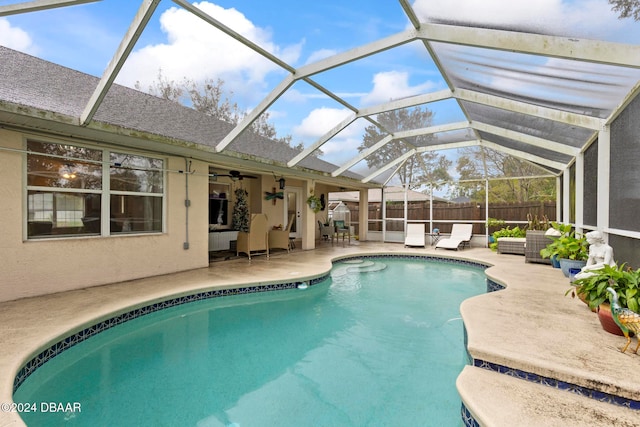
(379, 344)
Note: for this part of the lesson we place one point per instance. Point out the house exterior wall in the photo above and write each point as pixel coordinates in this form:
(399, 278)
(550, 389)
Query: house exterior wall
(36, 267)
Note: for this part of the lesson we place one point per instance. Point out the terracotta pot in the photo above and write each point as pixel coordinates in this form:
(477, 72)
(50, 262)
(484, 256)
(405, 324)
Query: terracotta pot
(606, 320)
(583, 298)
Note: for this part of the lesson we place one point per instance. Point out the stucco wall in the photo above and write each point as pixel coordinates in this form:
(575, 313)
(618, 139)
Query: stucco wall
(36, 267)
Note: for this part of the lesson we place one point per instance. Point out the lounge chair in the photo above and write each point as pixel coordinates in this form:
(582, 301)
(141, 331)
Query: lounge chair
(415, 235)
(460, 236)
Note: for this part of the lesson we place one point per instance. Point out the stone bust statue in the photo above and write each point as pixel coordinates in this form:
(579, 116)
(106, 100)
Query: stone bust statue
(600, 254)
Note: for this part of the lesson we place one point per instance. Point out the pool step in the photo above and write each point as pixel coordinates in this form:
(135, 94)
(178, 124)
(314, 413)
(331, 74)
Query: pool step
(367, 267)
(496, 400)
(357, 266)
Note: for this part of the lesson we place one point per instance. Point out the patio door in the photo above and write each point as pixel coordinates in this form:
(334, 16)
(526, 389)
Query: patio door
(293, 206)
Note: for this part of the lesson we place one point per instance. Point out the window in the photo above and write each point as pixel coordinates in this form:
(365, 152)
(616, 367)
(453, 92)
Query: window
(70, 190)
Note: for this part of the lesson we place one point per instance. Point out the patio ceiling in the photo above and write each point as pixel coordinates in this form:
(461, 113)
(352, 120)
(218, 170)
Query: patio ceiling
(540, 97)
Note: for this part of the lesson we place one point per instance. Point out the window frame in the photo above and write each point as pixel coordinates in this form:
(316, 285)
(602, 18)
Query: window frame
(104, 192)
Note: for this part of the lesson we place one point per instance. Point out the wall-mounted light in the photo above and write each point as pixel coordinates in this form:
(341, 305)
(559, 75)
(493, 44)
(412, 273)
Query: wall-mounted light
(281, 182)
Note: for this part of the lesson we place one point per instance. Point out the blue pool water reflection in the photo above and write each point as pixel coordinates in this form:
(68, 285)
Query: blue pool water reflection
(379, 344)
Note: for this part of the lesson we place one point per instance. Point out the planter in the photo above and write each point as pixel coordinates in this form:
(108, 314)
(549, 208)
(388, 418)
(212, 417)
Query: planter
(566, 264)
(554, 261)
(572, 273)
(535, 241)
(583, 298)
(606, 320)
(511, 245)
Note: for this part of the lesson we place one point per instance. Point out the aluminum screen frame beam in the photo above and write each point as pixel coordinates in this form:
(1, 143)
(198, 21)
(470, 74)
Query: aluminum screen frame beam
(595, 51)
(38, 5)
(140, 21)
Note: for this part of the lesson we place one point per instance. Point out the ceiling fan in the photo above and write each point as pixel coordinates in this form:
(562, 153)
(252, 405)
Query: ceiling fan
(237, 175)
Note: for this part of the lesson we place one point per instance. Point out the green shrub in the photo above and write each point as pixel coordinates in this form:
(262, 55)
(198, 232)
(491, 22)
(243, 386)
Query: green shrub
(506, 232)
(624, 280)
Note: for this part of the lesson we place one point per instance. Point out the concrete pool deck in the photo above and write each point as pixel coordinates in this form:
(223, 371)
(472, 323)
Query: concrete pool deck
(529, 327)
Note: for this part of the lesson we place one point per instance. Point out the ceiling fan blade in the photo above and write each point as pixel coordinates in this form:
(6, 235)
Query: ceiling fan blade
(236, 175)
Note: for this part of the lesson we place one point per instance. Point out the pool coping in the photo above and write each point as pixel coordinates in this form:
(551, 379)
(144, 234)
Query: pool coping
(71, 339)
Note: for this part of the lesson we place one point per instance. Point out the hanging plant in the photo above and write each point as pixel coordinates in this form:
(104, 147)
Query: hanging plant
(314, 202)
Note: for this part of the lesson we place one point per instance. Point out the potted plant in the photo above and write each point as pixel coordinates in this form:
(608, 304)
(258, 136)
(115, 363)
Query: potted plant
(492, 225)
(240, 216)
(314, 202)
(593, 291)
(571, 249)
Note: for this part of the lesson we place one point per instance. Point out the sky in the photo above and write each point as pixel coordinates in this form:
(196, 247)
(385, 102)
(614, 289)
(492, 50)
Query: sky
(85, 37)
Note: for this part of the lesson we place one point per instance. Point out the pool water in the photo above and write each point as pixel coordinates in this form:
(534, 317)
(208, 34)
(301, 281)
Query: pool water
(380, 344)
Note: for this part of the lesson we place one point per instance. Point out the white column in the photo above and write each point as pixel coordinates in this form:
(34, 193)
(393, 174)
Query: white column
(579, 191)
(559, 201)
(486, 212)
(383, 202)
(431, 208)
(405, 190)
(363, 216)
(604, 169)
(308, 218)
(566, 193)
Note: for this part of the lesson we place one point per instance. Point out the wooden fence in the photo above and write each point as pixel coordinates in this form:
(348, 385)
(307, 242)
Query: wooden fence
(444, 215)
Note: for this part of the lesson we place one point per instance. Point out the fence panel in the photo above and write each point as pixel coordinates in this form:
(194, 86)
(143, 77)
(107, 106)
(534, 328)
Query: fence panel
(444, 214)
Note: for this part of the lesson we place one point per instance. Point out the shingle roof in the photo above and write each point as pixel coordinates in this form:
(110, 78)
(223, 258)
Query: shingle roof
(49, 87)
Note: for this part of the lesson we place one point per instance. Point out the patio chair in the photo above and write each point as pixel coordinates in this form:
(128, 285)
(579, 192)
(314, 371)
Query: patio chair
(341, 229)
(325, 231)
(415, 235)
(280, 238)
(256, 239)
(460, 236)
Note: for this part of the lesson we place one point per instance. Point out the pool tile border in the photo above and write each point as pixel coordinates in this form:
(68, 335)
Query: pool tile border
(102, 326)
(539, 379)
(93, 330)
(561, 385)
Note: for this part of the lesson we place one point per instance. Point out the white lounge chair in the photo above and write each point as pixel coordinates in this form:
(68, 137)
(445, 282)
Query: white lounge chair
(415, 235)
(460, 235)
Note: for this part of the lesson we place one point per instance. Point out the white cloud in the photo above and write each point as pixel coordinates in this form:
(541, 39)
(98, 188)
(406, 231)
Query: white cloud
(319, 122)
(320, 54)
(339, 150)
(16, 38)
(393, 85)
(196, 50)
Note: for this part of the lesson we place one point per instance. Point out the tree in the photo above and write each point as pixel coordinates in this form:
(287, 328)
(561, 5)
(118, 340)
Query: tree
(240, 217)
(478, 163)
(626, 8)
(210, 98)
(418, 169)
